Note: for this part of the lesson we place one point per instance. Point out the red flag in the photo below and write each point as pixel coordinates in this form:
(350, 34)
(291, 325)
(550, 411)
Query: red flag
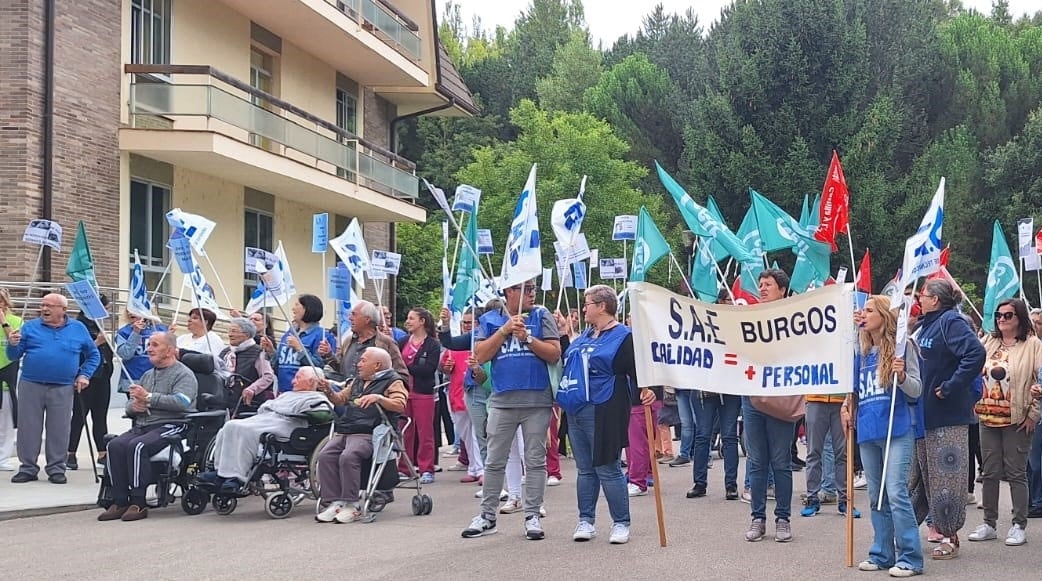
(946, 254)
(863, 280)
(741, 297)
(833, 213)
(1038, 242)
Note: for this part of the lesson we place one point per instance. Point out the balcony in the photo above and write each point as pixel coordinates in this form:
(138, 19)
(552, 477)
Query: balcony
(368, 40)
(212, 123)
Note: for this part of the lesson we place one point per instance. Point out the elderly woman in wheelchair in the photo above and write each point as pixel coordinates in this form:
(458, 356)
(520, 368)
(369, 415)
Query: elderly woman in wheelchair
(344, 457)
(238, 460)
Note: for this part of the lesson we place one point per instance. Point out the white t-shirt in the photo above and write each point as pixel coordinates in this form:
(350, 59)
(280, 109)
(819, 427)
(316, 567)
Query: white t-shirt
(209, 343)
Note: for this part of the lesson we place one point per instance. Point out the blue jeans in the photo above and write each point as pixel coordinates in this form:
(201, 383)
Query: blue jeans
(828, 467)
(686, 406)
(706, 408)
(895, 525)
(768, 441)
(1035, 470)
(591, 479)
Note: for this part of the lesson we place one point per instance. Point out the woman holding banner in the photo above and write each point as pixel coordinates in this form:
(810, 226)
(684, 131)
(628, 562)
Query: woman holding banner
(299, 345)
(599, 413)
(895, 545)
(952, 359)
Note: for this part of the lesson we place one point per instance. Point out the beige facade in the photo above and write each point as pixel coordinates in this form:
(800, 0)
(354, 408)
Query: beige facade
(256, 114)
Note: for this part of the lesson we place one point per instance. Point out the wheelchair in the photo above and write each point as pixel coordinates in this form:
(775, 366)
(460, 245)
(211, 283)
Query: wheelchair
(283, 475)
(177, 464)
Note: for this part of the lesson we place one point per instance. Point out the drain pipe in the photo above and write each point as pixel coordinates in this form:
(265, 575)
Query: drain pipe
(48, 129)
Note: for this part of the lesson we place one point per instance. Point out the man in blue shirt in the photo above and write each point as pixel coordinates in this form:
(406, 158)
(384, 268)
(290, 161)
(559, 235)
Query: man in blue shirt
(51, 349)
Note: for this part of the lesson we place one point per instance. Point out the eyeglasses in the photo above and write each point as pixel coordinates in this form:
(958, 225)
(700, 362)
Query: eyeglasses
(527, 290)
(926, 296)
(1006, 316)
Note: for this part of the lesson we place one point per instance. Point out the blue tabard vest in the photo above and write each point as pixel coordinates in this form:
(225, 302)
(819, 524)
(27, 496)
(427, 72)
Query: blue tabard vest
(589, 373)
(874, 401)
(516, 367)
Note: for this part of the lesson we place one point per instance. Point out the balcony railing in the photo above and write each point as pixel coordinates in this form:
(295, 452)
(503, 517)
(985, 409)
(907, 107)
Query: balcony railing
(385, 22)
(257, 118)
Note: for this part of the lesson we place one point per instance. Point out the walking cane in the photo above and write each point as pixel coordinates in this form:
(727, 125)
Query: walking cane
(649, 424)
(90, 441)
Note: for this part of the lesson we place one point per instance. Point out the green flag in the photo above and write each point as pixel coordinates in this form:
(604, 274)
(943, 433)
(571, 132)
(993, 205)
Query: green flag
(779, 230)
(805, 212)
(649, 246)
(468, 270)
(701, 221)
(81, 263)
(749, 234)
(703, 272)
(1003, 282)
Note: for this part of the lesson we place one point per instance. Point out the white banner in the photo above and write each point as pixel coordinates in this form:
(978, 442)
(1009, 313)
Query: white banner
(625, 228)
(800, 345)
(579, 250)
(44, 233)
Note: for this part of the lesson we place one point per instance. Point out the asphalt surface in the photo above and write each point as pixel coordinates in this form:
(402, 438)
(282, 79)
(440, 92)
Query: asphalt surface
(705, 536)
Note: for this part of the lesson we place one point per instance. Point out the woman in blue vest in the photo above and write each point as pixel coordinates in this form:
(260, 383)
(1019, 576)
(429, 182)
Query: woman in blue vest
(896, 545)
(597, 389)
(131, 346)
(299, 346)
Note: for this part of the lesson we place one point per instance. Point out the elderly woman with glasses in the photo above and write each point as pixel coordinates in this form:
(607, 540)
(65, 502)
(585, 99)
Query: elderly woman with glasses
(1008, 416)
(597, 390)
(952, 359)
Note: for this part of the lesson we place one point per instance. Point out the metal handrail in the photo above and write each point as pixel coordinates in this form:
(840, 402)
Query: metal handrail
(400, 31)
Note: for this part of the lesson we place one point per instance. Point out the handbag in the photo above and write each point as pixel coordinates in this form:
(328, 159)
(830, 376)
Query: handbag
(787, 408)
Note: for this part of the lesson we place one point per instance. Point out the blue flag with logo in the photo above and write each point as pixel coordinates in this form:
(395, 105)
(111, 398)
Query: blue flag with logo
(1003, 281)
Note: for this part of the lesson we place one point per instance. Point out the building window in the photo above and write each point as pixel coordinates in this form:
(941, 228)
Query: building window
(259, 233)
(150, 32)
(266, 119)
(149, 203)
(346, 119)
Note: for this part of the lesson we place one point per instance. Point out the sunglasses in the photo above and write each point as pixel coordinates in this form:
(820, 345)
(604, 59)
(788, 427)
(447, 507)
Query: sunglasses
(1007, 316)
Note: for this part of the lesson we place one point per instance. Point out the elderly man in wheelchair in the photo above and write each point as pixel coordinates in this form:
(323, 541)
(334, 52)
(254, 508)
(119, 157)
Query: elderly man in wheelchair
(341, 461)
(158, 405)
(236, 447)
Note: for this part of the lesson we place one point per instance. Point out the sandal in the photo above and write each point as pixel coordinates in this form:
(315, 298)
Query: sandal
(947, 550)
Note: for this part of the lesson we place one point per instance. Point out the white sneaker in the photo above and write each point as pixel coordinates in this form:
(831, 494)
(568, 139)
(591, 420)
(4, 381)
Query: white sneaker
(868, 566)
(349, 514)
(329, 515)
(553, 481)
(896, 571)
(503, 495)
(533, 528)
(635, 490)
(9, 466)
(542, 511)
(511, 506)
(860, 482)
(620, 534)
(479, 493)
(984, 532)
(584, 531)
(1016, 536)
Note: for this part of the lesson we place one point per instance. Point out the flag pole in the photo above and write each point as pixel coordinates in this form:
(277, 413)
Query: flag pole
(220, 283)
(293, 330)
(455, 252)
(690, 289)
(1039, 278)
(32, 281)
(649, 426)
(180, 298)
(889, 427)
(159, 285)
(850, 247)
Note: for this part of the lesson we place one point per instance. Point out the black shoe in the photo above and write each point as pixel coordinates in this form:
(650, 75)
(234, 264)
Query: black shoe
(23, 477)
(680, 461)
(697, 491)
(1035, 512)
(71, 463)
(732, 493)
(57, 478)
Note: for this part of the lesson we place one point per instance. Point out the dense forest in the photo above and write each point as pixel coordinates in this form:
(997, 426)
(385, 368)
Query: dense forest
(906, 91)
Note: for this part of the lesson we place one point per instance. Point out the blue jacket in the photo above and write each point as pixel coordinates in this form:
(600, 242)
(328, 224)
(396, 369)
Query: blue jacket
(53, 355)
(952, 357)
(288, 362)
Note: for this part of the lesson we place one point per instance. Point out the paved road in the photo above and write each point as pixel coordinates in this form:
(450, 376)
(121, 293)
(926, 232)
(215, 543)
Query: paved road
(705, 542)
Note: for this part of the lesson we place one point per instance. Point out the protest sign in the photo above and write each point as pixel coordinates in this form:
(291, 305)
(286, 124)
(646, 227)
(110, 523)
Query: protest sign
(86, 296)
(319, 233)
(625, 228)
(45, 233)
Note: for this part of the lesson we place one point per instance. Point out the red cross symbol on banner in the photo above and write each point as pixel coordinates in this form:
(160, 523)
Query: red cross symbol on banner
(750, 373)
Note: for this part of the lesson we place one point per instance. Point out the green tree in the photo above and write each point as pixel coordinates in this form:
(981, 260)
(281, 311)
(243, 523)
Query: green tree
(577, 67)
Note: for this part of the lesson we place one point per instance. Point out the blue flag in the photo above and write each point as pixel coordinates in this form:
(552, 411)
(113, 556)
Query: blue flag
(649, 247)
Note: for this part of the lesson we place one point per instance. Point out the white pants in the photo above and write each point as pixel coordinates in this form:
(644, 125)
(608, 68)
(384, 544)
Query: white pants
(515, 468)
(466, 434)
(7, 431)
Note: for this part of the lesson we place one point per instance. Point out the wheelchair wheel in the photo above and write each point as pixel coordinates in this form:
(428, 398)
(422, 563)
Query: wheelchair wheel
(427, 502)
(224, 504)
(313, 483)
(417, 505)
(278, 505)
(194, 501)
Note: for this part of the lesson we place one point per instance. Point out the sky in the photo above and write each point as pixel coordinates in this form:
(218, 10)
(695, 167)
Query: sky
(610, 19)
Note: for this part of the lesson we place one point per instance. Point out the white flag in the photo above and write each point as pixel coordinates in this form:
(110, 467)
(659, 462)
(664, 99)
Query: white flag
(138, 304)
(196, 228)
(566, 218)
(522, 259)
(350, 247)
(923, 250)
(204, 292)
(276, 286)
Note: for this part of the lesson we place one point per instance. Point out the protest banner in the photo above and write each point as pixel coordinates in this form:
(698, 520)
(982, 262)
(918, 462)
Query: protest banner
(796, 346)
(466, 200)
(44, 233)
(625, 228)
(320, 233)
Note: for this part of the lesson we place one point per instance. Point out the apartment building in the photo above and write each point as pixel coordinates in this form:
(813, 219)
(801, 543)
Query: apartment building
(256, 114)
